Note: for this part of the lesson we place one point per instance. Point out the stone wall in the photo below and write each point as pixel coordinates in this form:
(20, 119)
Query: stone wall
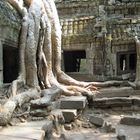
(9, 30)
(99, 28)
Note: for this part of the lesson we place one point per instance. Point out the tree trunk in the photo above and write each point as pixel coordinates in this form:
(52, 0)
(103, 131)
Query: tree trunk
(137, 80)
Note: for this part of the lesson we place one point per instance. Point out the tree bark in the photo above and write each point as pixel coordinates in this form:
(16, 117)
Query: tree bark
(137, 80)
(9, 107)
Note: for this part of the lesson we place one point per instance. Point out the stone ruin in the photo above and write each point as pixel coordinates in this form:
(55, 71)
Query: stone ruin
(95, 46)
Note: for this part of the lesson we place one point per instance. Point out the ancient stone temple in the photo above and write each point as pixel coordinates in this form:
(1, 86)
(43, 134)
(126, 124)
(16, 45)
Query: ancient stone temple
(95, 41)
(9, 31)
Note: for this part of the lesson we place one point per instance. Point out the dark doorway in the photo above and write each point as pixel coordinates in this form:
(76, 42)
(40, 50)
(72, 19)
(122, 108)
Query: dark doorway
(72, 60)
(126, 62)
(10, 63)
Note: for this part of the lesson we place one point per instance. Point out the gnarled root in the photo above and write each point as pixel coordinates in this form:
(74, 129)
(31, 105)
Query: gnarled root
(9, 107)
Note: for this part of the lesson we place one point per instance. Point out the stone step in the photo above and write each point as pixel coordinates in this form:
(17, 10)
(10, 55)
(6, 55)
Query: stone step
(112, 102)
(24, 131)
(115, 92)
(130, 120)
(126, 103)
(73, 102)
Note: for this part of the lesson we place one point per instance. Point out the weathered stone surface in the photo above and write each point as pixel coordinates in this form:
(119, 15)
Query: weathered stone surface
(90, 135)
(96, 120)
(136, 101)
(112, 102)
(130, 120)
(121, 137)
(108, 127)
(128, 132)
(68, 126)
(115, 91)
(73, 102)
(25, 131)
(69, 115)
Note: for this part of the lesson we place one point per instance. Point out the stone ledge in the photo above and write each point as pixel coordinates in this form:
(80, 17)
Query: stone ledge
(73, 102)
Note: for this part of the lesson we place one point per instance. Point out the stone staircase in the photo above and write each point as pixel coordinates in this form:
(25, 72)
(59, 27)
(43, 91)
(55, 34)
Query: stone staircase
(106, 127)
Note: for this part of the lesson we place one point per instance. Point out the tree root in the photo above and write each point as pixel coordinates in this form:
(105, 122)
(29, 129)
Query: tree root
(9, 107)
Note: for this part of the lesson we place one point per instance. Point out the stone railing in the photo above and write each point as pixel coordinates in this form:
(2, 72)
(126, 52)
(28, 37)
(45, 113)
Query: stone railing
(77, 25)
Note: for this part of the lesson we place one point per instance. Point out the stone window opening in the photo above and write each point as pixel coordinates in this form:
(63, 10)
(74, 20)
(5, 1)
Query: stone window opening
(126, 62)
(10, 63)
(123, 66)
(73, 60)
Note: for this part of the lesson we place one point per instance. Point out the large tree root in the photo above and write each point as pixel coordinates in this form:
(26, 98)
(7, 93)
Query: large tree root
(49, 95)
(9, 107)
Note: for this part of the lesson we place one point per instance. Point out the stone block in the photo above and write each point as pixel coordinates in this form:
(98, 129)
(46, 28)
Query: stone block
(115, 92)
(96, 120)
(69, 115)
(130, 120)
(121, 137)
(68, 126)
(112, 102)
(73, 102)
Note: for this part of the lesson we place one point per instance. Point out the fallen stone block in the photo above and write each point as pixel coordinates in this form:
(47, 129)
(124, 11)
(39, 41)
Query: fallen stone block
(73, 102)
(68, 126)
(112, 102)
(121, 137)
(69, 115)
(130, 120)
(96, 120)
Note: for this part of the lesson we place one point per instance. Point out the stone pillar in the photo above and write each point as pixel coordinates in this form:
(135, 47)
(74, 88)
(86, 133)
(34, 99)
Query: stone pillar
(81, 26)
(86, 25)
(70, 26)
(90, 53)
(65, 27)
(75, 26)
(1, 64)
